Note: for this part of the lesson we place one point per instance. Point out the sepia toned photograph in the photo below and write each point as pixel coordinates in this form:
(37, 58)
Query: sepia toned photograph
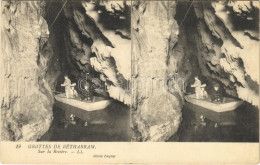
(83, 73)
(195, 67)
(66, 68)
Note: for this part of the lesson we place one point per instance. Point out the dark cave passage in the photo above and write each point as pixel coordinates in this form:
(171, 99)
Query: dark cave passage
(190, 43)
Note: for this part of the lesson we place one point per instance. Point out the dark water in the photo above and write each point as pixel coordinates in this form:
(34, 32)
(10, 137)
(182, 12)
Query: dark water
(240, 125)
(111, 124)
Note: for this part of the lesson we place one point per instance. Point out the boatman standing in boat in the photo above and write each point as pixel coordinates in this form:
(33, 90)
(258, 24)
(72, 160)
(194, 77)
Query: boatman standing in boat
(200, 89)
(67, 85)
(197, 86)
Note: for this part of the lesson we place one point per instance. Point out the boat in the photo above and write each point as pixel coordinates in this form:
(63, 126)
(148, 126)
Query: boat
(94, 112)
(98, 103)
(228, 104)
(221, 118)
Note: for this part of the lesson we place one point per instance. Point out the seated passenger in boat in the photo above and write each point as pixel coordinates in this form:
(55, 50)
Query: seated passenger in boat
(203, 92)
(216, 94)
(86, 94)
(74, 92)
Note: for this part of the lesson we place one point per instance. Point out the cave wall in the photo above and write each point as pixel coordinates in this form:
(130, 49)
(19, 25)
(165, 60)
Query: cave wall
(26, 97)
(157, 100)
(100, 46)
(219, 38)
(228, 46)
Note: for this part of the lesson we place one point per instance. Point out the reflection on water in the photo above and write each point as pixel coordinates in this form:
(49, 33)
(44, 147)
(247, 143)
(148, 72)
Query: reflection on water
(202, 125)
(198, 125)
(111, 124)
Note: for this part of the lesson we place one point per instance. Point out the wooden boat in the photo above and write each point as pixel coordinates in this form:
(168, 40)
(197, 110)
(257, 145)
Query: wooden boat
(98, 103)
(221, 118)
(93, 112)
(228, 104)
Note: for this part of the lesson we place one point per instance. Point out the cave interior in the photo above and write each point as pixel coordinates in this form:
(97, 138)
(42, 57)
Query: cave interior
(80, 43)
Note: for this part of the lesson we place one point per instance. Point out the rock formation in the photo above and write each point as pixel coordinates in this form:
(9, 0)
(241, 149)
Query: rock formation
(109, 49)
(26, 96)
(43, 41)
(234, 58)
(156, 111)
(171, 43)
(219, 38)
